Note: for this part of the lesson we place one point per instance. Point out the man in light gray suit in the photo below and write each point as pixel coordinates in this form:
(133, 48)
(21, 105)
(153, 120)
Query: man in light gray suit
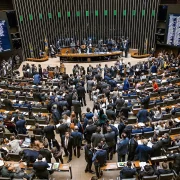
(90, 84)
(96, 137)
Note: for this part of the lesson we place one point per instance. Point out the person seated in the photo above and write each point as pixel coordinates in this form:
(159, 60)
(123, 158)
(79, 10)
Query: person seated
(7, 171)
(163, 170)
(166, 141)
(128, 171)
(148, 171)
(157, 114)
(40, 168)
(15, 145)
(147, 128)
(160, 126)
(175, 95)
(38, 130)
(175, 109)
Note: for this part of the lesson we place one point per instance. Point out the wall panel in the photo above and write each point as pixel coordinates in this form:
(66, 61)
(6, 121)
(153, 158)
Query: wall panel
(137, 27)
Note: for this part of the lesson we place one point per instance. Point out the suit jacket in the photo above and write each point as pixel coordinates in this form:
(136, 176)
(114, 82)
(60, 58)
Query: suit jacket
(41, 169)
(62, 129)
(77, 138)
(96, 138)
(143, 152)
(156, 149)
(90, 85)
(46, 154)
(20, 126)
(110, 139)
(8, 104)
(70, 142)
(49, 132)
(81, 91)
(38, 131)
(119, 104)
(142, 115)
(123, 146)
(77, 106)
(111, 114)
(88, 154)
(127, 172)
(89, 131)
(100, 157)
(55, 116)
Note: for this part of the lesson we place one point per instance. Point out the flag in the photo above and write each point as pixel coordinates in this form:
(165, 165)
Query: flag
(46, 46)
(145, 46)
(31, 50)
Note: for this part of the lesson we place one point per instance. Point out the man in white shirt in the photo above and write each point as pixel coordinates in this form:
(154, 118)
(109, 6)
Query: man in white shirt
(15, 145)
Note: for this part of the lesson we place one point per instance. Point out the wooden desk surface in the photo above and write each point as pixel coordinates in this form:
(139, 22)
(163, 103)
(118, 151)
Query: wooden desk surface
(89, 55)
(22, 165)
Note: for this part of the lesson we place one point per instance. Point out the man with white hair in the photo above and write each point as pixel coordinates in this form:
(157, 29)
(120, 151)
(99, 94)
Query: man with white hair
(55, 114)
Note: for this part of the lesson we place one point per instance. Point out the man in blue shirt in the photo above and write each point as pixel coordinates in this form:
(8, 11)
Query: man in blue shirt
(37, 78)
(99, 159)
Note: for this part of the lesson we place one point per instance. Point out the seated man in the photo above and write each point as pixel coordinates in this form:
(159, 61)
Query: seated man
(175, 109)
(40, 168)
(127, 171)
(148, 171)
(164, 169)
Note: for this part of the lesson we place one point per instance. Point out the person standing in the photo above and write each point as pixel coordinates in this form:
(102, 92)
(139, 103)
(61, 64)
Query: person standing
(122, 147)
(88, 157)
(49, 133)
(67, 144)
(77, 141)
(81, 94)
(132, 147)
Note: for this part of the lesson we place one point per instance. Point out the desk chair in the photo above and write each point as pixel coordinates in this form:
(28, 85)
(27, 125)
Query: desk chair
(44, 121)
(150, 177)
(23, 136)
(38, 137)
(154, 94)
(44, 110)
(30, 122)
(129, 179)
(175, 131)
(171, 102)
(23, 109)
(14, 157)
(161, 104)
(132, 121)
(166, 116)
(12, 97)
(147, 135)
(150, 106)
(162, 93)
(163, 131)
(177, 114)
(29, 98)
(5, 178)
(22, 98)
(8, 135)
(166, 176)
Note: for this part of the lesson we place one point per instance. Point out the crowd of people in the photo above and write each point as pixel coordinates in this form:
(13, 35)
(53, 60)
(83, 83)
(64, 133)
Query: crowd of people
(104, 129)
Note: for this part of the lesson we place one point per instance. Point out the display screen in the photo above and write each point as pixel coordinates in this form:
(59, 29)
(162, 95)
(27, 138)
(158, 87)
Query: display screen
(5, 44)
(173, 36)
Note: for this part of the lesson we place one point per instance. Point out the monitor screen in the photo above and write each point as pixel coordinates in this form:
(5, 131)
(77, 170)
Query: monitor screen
(5, 44)
(173, 35)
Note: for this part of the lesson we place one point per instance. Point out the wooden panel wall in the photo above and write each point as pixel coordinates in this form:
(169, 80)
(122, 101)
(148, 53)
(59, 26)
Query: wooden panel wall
(137, 27)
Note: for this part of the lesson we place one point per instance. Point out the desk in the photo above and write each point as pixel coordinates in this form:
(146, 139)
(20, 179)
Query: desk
(62, 167)
(89, 56)
(114, 167)
(38, 60)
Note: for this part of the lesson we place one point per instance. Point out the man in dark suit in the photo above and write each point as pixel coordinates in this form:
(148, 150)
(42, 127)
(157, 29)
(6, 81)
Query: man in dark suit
(164, 169)
(110, 140)
(89, 131)
(145, 100)
(132, 147)
(38, 130)
(46, 153)
(111, 115)
(96, 137)
(125, 111)
(156, 148)
(127, 171)
(88, 157)
(90, 84)
(67, 144)
(40, 168)
(77, 107)
(143, 152)
(55, 114)
(49, 133)
(7, 103)
(119, 104)
(61, 128)
(81, 94)
(143, 115)
(77, 138)
(99, 159)
(20, 126)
